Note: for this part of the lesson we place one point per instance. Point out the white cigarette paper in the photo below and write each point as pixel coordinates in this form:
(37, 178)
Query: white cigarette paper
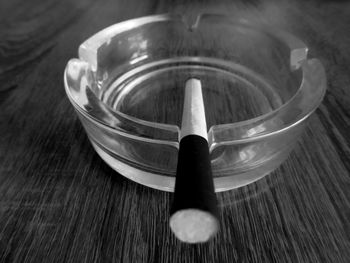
(193, 118)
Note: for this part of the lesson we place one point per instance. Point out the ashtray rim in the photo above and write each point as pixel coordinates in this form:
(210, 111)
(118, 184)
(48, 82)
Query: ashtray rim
(298, 60)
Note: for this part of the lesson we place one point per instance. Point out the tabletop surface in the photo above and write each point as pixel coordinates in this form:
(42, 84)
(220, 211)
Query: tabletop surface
(59, 202)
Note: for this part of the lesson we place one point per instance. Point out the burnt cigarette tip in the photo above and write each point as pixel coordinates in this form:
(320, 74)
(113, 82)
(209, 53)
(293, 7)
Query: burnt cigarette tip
(194, 226)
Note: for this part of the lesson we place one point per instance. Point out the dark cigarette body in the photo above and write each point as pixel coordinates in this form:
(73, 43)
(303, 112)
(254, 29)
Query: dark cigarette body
(194, 188)
(194, 213)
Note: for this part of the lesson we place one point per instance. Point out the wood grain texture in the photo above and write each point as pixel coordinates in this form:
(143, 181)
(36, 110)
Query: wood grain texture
(59, 202)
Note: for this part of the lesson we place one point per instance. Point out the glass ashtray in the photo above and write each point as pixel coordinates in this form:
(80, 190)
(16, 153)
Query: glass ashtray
(259, 87)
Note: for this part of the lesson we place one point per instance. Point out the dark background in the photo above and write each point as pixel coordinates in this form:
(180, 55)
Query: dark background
(59, 202)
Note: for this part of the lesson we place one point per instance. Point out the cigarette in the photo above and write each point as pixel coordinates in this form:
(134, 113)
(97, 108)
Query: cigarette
(194, 212)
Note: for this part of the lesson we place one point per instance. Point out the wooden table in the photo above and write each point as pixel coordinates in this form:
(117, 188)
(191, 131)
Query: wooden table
(59, 202)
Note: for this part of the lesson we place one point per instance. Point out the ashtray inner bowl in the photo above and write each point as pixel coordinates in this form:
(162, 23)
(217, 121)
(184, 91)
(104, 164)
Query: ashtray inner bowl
(258, 88)
(155, 93)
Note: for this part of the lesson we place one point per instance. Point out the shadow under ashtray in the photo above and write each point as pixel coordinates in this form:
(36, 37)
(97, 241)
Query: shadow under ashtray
(251, 191)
